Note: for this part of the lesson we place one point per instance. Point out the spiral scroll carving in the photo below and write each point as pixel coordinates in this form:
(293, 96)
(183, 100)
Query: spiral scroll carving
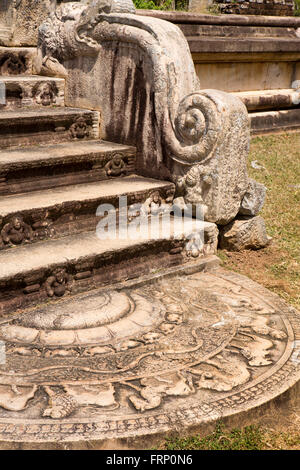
(197, 127)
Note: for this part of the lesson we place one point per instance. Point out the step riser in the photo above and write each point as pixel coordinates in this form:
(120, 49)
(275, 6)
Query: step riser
(269, 99)
(17, 60)
(47, 177)
(88, 274)
(71, 217)
(275, 121)
(48, 129)
(31, 92)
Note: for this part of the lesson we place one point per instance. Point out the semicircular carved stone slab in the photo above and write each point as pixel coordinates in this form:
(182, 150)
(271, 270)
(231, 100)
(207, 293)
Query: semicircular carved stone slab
(141, 68)
(174, 352)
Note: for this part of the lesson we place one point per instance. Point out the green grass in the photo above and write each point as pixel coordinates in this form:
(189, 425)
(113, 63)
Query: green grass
(278, 268)
(248, 438)
(254, 437)
(280, 155)
(169, 5)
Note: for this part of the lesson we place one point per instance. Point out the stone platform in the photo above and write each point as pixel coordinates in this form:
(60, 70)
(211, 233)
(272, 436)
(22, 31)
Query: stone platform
(254, 57)
(171, 352)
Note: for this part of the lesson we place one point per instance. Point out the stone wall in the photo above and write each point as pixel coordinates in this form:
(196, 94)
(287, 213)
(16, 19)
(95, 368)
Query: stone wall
(257, 58)
(237, 53)
(256, 7)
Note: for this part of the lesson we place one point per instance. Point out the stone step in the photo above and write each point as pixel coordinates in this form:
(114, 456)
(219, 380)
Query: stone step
(53, 213)
(30, 127)
(269, 122)
(31, 91)
(33, 273)
(51, 166)
(268, 99)
(17, 60)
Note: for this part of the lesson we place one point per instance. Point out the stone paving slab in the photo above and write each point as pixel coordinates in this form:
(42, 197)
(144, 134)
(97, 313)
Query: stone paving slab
(122, 367)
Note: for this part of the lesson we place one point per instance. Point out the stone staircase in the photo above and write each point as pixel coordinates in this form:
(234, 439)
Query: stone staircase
(110, 339)
(54, 173)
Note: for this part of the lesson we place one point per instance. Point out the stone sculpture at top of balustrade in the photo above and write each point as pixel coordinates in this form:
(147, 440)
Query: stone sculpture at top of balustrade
(139, 73)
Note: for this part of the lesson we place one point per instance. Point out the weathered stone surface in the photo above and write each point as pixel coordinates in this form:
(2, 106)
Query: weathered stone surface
(19, 20)
(167, 354)
(17, 61)
(199, 6)
(71, 209)
(255, 45)
(87, 354)
(81, 262)
(256, 7)
(52, 166)
(180, 17)
(244, 233)
(254, 198)
(239, 54)
(268, 122)
(48, 125)
(268, 99)
(181, 132)
(32, 91)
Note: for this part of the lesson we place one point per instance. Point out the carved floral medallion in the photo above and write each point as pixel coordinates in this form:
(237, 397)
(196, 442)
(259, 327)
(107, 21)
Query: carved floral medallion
(206, 344)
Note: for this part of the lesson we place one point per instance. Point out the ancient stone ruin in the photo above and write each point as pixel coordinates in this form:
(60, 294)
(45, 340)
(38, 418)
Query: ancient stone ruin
(122, 338)
(256, 7)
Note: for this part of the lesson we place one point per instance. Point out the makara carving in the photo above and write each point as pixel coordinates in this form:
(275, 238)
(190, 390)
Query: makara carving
(141, 68)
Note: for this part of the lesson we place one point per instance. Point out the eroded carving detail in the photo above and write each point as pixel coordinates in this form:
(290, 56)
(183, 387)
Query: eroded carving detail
(80, 129)
(172, 339)
(45, 93)
(154, 389)
(199, 139)
(59, 283)
(16, 232)
(155, 205)
(13, 65)
(116, 166)
(195, 186)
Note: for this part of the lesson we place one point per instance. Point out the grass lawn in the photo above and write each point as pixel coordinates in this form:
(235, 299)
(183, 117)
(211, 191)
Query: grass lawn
(276, 267)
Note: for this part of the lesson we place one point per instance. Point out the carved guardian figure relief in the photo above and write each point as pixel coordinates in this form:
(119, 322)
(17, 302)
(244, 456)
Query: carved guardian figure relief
(16, 232)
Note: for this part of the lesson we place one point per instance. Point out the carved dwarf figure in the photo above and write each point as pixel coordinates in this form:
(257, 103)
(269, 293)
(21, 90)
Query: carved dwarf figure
(59, 283)
(80, 128)
(154, 205)
(116, 166)
(194, 245)
(16, 231)
(13, 65)
(193, 186)
(45, 94)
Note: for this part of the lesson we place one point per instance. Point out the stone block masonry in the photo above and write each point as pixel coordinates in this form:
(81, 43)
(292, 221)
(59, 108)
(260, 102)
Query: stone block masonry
(256, 7)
